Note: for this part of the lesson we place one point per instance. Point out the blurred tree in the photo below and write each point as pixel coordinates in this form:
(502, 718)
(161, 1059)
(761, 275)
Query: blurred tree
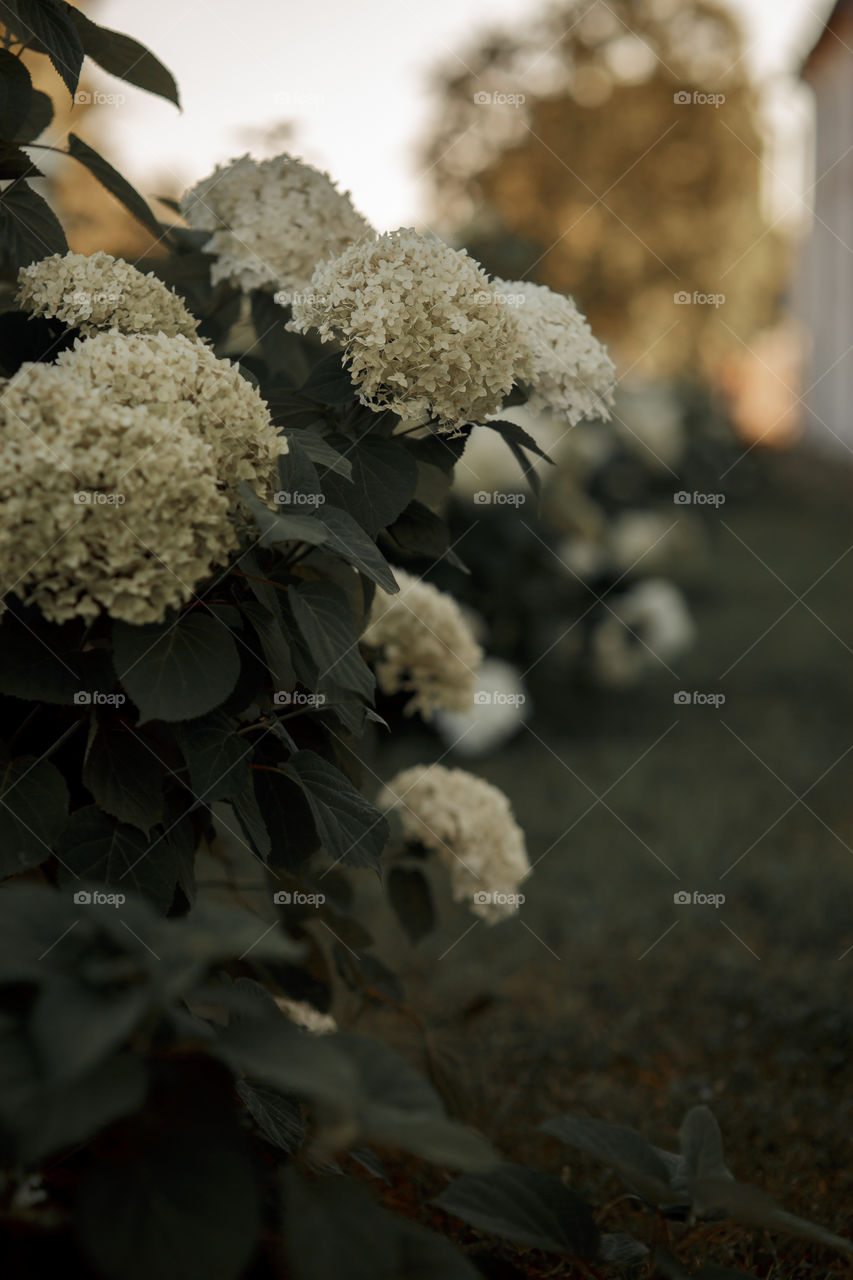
(614, 151)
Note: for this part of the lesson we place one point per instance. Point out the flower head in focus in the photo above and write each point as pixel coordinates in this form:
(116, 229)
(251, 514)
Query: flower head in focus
(271, 221)
(426, 646)
(102, 292)
(469, 825)
(422, 331)
(566, 369)
(102, 506)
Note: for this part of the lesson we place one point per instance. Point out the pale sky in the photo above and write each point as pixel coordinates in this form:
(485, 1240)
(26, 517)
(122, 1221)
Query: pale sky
(354, 78)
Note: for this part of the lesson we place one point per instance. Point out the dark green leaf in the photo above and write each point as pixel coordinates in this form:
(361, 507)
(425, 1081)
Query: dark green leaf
(277, 1053)
(621, 1250)
(114, 183)
(29, 229)
(184, 1205)
(15, 163)
(419, 532)
(16, 91)
(43, 663)
(320, 451)
(176, 671)
(217, 757)
(750, 1204)
(623, 1148)
(124, 57)
(94, 848)
(323, 616)
(280, 527)
(251, 818)
(278, 1116)
(267, 624)
(513, 434)
(37, 119)
(384, 478)
(526, 1206)
(702, 1147)
(351, 829)
(281, 350)
(348, 540)
(47, 25)
(125, 777)
(33, 811)
(328, 382)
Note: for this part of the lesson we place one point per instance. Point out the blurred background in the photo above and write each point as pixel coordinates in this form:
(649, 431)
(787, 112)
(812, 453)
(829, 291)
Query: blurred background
(670, 628)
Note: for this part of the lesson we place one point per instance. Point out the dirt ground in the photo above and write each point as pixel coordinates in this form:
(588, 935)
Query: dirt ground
(607, 998)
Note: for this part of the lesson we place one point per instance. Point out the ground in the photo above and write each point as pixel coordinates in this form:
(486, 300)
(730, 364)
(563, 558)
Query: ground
(605, 997)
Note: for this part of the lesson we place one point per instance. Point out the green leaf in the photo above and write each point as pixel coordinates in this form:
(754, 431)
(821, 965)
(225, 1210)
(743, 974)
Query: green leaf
(185, 1204)
(94, 848)
(124, 57)
(29, 229)
(420, 532)
(350, 828)
(125, 777)
(281, 350)
(320, 451)
(411, 899)
(638, 1163)
(754, 1206)
(513, 434)
(267, 624)
(217, 757)
(333, 1228)
(278, 1116)
(323, 616)
(16, 91)
(524, 1205)
(384, 479)
(53, 31)
(43, 663)
(702, 1148)
(277, 1053)
(15, 163)
(328, 382)
(176, 671)
(280, 527)
(348, 540)
(33, 811)
(114, 183)
(37, 119)
(297, 476)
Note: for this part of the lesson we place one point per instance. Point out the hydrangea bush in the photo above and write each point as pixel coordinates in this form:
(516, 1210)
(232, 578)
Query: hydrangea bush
(207, 520)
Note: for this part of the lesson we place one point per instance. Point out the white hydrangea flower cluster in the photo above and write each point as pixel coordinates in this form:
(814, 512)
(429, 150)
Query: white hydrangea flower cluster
(271, 221)
(102, 292)
(304, 1015)
(423, 332)
(469, 825)
(567, 370)
(100, 506)
(184, 382)
(426, 646)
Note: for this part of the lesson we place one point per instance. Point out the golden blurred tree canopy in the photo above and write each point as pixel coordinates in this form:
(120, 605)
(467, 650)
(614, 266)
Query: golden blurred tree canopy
(614, 151)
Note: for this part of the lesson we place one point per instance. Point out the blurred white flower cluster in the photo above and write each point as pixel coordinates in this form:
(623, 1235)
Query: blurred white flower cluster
(469, 825)
(425, 645)
(271, 221)
(103, 292)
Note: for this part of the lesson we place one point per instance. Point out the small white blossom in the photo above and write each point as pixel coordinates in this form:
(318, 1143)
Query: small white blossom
(469, 825)
(271, 221)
